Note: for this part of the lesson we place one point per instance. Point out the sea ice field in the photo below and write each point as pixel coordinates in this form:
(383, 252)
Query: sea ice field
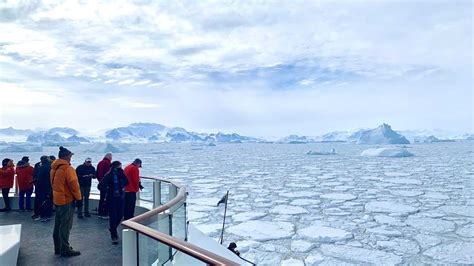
(287, 207)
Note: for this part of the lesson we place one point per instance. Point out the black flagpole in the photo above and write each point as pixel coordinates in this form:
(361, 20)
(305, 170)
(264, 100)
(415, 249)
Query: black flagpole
(225, 211)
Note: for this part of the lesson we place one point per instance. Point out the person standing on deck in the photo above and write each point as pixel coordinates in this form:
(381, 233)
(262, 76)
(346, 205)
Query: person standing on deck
(24, 181)
(43, 190)
(132, 171)
(7, 175)
(85, 172)
(37, 203)
(114, 183)
(102, 168)
(66, 190)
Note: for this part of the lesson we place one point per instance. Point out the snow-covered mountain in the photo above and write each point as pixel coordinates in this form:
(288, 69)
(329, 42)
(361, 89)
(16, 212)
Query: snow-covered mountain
(150, 132)
(10, 134)
(383, 134)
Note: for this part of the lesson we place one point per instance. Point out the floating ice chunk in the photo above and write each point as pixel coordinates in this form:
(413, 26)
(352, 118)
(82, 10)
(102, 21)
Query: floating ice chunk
(204, 201)
(314, 258)
(457, 252)
(384, 231)
(427, 241)
(244, 246)
(298, 194)
(247, 216)
(389, 207)
(324, 234)
(430, 224)
(209, 229)
(305, 202)
(301, 246)
(436, 196)
(338, 196)
(263, 230)
(193, 215)
(394, 174)
(387, 152)
(403, 181)
(311, 152)
(287, 209)
(360, 255)
(406, 193)
(466, 231)
(403, 246)
(385, 219)
(292, 262)
(459, 210)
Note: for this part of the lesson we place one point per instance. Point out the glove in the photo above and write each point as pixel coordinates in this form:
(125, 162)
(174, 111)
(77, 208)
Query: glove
(78, 203)
(140, 186)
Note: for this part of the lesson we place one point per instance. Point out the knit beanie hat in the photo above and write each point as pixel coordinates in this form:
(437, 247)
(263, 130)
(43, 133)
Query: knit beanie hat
(63, 152)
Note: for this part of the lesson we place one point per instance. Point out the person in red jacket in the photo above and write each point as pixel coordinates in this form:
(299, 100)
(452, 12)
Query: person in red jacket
(24, 182)
(7, 174)
(103, 167)
(132, 171)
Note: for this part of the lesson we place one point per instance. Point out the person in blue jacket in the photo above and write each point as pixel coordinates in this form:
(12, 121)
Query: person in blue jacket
(114, 183)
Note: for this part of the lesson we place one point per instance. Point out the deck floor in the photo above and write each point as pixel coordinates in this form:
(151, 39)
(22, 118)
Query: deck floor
(89, 235)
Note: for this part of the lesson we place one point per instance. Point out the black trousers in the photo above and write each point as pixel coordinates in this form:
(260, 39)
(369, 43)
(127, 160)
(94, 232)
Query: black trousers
(115, 214)
(6, 199)
(129, 205)
(103, 209)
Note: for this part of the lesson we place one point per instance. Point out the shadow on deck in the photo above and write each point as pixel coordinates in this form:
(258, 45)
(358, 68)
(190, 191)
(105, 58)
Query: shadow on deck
(89, 235)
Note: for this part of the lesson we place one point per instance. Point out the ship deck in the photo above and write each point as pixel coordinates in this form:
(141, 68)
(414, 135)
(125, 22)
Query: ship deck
(89, 235)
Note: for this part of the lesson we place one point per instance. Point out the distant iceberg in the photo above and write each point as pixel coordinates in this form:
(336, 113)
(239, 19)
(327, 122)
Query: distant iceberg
(382, 135)
(22, 148)
(387, 152)
(108, 147)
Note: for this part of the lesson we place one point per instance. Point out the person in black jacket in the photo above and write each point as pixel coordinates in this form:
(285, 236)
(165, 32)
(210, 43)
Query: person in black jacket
(37, 202)
(114, 183)
(85, 173)
(43, 192)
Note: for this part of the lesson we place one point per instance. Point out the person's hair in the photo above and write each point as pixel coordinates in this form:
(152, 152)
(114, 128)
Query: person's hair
(115, 165)
(44, 158)
(52, 157)
(5, 162)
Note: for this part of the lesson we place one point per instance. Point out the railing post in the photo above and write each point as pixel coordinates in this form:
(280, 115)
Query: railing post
(164, 227)
(157, 193)
(173, 192)
(129, 247)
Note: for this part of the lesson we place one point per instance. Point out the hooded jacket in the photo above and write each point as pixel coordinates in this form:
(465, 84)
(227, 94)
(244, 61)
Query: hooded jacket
(7, 175)
(43, 181)
(107, 183)
(82, 172)
(24, 176)
(64, 183)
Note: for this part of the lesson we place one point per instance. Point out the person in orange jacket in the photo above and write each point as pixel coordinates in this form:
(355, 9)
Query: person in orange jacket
(66, 193)
(7, 174)
(132, 171)
(24, 181)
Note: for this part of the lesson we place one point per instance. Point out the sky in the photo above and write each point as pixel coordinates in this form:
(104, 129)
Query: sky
(260, 68)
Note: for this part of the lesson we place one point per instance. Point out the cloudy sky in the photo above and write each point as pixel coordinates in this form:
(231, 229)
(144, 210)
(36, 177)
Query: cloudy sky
(262, 68)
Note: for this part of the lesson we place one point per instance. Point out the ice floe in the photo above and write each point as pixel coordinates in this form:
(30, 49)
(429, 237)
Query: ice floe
(305, 202)
(287, 209)
(430, 224)
(387, 152)
(301, 246)
(466, 231)
(247, 216)
(384, 231)
(389, 207)
(314, 258)
(324, 234)
(263, 230)
(360, 255)
(385, 219)
(403, 246)
(292, 262)
(338, 196)
(456, 252)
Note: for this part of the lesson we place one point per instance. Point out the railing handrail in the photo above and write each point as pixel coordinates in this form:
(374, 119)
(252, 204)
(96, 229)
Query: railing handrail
(178, 244)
